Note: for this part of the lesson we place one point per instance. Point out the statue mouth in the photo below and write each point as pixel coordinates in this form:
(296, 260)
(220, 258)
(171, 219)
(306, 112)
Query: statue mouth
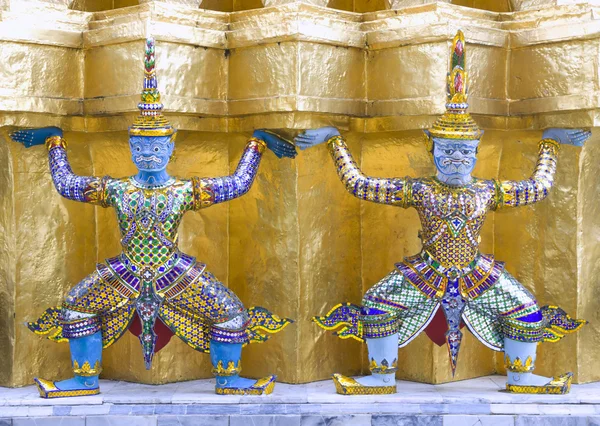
(451, 166)
(452, 162)
(148, 161)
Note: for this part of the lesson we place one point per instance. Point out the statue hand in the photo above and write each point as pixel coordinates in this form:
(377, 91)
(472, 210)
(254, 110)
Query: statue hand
(32, 137)
(314, 137)
(575, 137)
(280, 146)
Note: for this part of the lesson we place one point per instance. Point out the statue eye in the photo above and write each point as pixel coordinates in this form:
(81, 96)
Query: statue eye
(156, 149)
(448, 151)
(466, 152)
(138, 149)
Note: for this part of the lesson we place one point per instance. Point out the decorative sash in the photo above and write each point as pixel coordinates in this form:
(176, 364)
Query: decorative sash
(171, 278)
(431, 278)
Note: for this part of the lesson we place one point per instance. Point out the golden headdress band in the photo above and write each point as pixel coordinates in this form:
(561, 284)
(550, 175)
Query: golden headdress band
(151, 121)
(456, 123)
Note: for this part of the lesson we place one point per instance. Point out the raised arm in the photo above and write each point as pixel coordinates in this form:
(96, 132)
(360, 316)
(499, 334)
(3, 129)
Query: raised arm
(394, 191)
(209, 191)
(510, 193)
(88, 189)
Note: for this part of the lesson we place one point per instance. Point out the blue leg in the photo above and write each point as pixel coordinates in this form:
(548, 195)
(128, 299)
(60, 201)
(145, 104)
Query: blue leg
(86, 359)
(383, 356)
(520, 362)
(225, 358)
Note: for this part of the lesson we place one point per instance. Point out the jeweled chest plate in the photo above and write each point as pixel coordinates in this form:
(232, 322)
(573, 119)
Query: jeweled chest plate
(452, 218)
(149, 219)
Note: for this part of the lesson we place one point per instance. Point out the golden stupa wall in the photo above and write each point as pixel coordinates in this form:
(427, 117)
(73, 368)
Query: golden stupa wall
(297, 243)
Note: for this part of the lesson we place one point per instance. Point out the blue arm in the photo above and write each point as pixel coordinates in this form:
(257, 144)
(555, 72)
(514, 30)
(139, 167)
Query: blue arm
(87, 189)
(209, 191)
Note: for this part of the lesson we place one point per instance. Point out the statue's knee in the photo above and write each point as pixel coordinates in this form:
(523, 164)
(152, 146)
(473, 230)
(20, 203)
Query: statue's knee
(534, 319)
(237, 322)
(526, 328)
(231, 331)
(369, 297)
(68, 315)
(77, 324)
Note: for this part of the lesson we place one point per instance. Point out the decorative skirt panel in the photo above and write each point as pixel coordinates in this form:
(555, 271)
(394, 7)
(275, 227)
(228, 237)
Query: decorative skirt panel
(505, 309)
(396, 295)
(193, 305)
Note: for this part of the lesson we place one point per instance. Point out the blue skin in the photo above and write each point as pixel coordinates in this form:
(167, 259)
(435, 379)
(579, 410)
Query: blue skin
(227, 352)
(151, 156)
(88, 348)
(454, 161)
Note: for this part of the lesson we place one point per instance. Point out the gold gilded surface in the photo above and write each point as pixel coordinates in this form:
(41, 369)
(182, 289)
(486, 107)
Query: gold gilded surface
(330, 72)
(487, 80)
(111, 40)
(54, 246)
(48, 91)
(295, 67)
(179, 71)
(588, 248)
(263, 76)
(7, 262)
(47, 64)
(246, 4)
(541, 252)
(93, 5)
(364, 6)
(111, 70)
(491, 5)
(342, 5)
(561, 71)
(219, 5)
(329, 263)
(416, 78)
(264, 250)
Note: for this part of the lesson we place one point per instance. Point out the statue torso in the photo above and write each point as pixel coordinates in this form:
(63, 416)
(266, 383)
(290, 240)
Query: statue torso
(149, 218)
(452, 218)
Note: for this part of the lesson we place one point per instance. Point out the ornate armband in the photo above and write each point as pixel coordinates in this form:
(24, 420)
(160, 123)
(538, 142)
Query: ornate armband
(498, 193)
(204, 195)
(335, 141)
(54, 141)
(404, 197)
(95, 192)
(257, 144)
(550, 142)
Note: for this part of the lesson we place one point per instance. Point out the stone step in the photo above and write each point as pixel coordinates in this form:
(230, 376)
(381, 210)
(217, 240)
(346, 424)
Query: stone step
(479, 401)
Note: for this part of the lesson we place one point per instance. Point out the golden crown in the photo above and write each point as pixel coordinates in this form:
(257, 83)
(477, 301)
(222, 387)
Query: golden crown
(456, 123)
(151, 121)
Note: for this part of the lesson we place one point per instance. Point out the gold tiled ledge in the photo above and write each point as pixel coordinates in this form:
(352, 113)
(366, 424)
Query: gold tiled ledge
(381, 71)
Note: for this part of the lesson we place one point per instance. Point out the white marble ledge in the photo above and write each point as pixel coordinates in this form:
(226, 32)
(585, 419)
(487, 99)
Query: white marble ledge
(484, 391)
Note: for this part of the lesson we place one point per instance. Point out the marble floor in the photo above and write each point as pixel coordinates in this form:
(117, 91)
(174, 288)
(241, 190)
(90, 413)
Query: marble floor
(478, 401)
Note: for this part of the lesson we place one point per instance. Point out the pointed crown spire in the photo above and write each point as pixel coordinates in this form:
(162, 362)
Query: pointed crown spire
(457, 123)
(151, 121)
